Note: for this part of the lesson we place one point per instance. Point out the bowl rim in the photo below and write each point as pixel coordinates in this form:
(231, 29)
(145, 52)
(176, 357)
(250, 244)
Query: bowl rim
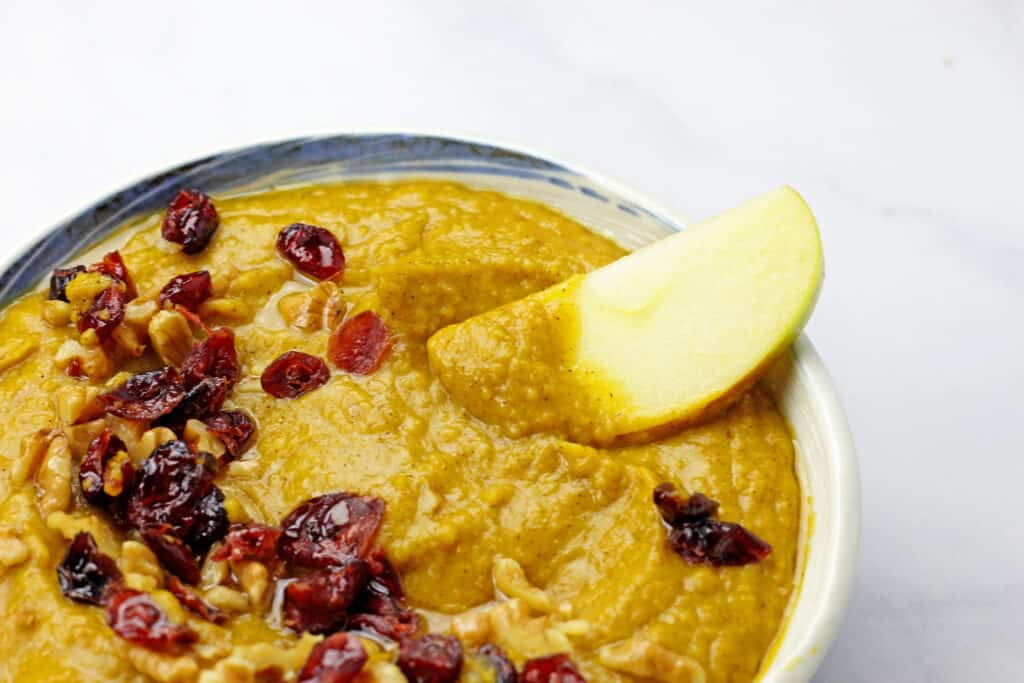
(840, 546)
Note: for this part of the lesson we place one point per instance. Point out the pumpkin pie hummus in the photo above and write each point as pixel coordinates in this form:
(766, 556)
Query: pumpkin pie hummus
(224, 458)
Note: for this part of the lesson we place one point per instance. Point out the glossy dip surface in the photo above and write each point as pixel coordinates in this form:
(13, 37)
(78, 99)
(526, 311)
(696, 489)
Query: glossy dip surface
(534, 543)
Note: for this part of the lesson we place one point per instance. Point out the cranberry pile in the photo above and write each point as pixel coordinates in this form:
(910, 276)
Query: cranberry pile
(699, 538)
(331, 578)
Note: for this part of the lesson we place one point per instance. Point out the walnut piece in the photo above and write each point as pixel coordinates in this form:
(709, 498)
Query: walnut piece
(13, 550)
(140, 449)
(510, 579)
(93, 360)
(171, 336)
(140, 567)
(226, 308)
(33, 449)
(644, 659)
(56, 313)
(321, 307)
(53, 478)
(81, 435)
(77, 403)
(201, 438)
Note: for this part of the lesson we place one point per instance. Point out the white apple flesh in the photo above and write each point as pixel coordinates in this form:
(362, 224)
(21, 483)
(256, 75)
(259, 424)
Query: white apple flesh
(657, 340)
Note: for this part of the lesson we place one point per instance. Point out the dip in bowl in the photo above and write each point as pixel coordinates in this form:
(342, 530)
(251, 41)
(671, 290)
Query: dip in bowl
(226, 457)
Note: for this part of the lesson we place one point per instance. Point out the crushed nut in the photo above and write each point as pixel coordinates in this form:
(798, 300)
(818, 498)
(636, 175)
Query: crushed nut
(226, 599)
(128, 341)
(113, 474)
(473, 628)
(226, 308)
(236, 512)
(93, 362)
(171, 336)
(149, 441)
(160, 667)
(382, 671)
(254, 579)
(13, 550)
(84, 288)
(201, 438)
(68, 526)
(129, 431)
(56, 313)
(81, 435)
(318, 308)
(137, 315)
(247, 662)
(213, 572)
(33, 449)
(644, 659)
(515, 630)
(77, 403)
(140, 567)
(89, 338)
(510, 579)
(54, 476)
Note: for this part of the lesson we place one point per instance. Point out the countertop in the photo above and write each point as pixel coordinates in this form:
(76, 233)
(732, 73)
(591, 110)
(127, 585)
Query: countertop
(900, 122)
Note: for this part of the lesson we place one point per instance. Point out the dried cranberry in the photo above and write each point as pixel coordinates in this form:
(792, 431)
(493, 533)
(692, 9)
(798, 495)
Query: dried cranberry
(379, 607)
(495, 657)
(75, 368)
(190, 221)
(384, 579)
(431, 659)
(172, 552)
(336, 659)
(319, 601)
(551, 669)
(60, 279)
(113, 266)
(701, 539)
(92, 471)
(675, 509)
(85, 574)
(313, 250)
(393, 627)
(205, 398)
(215, 356)
(146, 396)
(249, 542)
(293, 374)
(719, 544)
(138, 619)
(210, 522)
(191, 601)
(234, 428)
(172, 488)
(359, 344)
(330, 529)
(188, 290)
(105, 313)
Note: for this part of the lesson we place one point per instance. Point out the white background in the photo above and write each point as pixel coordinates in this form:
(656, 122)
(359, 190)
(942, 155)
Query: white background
(901, 122)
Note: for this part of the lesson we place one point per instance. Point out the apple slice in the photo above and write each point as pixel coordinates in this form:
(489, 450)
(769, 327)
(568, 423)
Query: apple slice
(660, 339)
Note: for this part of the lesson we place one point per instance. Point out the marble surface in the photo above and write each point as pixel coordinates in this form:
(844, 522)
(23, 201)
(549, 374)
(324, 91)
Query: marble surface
(900, 122)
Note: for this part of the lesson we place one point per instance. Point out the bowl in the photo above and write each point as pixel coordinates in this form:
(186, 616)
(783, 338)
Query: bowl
(801, 385)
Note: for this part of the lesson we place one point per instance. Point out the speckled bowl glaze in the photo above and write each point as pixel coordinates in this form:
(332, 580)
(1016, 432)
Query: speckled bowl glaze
(805, 393)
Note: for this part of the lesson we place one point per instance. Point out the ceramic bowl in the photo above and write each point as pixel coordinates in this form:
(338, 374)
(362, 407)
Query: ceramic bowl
(801, 384)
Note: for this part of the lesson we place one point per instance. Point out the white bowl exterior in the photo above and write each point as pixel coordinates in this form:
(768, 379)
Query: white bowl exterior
(826, 462)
